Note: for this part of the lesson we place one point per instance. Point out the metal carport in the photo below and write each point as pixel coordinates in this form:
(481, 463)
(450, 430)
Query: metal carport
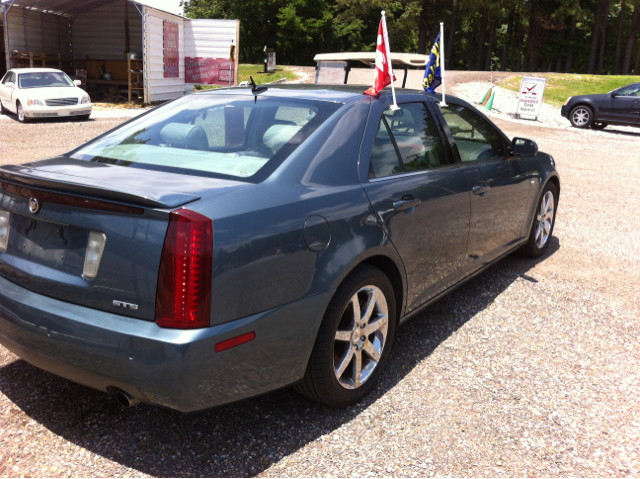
(67, 33)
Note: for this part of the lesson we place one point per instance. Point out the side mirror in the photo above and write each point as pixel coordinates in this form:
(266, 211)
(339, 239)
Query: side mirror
(10, 84)
(524, 147)
(613, 94)
(77, 82)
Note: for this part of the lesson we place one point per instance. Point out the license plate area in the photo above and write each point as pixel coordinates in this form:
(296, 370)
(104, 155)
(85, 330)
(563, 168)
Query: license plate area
(58, 246)
(64, 112)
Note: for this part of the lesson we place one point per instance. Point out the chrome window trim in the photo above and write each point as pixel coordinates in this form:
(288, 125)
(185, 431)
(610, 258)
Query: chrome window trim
(414, 173)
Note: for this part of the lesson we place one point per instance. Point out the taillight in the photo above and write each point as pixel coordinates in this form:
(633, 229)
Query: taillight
(184, 284)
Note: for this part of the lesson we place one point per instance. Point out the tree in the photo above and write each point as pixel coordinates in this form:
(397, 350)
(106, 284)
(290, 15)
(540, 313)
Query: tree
(304, 29)
(530, 35)
(507, 43)
(632, 39)
(603, 34)
(481, 33)
(616, 61)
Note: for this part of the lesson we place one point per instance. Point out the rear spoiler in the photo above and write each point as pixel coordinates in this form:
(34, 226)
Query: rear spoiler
(22, 179)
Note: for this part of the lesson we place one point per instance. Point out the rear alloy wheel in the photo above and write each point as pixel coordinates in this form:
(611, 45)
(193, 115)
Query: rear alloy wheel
(599, 126)
(354, 341)
(581, 116)
(21, 116)
(543, 224)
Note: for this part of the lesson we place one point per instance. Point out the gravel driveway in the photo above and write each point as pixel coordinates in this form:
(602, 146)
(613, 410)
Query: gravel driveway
(531, 368)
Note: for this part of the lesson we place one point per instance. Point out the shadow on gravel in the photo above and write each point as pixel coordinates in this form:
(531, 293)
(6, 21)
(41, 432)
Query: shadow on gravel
(244, 438)
(62, 119)
(612, 130)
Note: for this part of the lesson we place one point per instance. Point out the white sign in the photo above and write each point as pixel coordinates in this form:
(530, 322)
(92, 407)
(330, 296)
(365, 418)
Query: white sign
(271, 61)
(530, 98)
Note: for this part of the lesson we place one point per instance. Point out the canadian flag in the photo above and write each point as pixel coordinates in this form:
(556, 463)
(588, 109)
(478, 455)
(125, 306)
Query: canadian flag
(384, 70)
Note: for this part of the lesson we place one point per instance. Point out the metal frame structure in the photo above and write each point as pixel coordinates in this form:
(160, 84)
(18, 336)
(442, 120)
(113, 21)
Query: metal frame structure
(405, 60)
(6, 6)
(63, 8)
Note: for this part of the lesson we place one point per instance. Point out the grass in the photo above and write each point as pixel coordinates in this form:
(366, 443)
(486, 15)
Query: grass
(561, 86)
(247, 70)
(244, 71)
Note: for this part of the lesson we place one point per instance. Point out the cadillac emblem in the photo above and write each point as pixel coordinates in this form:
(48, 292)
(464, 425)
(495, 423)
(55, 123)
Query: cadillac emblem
(34, 205)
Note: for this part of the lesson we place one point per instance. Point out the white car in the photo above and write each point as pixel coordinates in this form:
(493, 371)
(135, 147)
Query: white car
(43, 93)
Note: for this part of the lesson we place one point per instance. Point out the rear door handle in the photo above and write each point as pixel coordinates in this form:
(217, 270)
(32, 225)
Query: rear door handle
(481, 189)
(407, 202)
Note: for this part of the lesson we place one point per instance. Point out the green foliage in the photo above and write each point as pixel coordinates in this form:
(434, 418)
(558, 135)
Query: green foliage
(541, 32)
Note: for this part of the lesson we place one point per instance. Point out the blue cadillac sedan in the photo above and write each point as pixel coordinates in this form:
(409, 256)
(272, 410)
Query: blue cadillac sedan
(233, 242)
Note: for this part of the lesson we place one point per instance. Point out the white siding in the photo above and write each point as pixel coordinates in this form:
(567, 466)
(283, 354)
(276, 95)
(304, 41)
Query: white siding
(100, 34)
(159, 88)
(210, 39)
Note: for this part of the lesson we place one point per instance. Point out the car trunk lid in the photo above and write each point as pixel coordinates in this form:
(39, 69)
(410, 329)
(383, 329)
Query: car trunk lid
(54, 206)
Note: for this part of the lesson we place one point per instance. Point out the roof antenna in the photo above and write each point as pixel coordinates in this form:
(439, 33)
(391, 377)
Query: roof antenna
(255, 89)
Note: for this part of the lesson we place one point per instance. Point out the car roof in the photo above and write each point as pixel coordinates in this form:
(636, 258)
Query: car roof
(35, 70)
(306, 91)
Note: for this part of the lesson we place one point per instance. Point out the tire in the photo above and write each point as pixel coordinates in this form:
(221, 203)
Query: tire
(540, 235)
(21, 116)
(581, 116)
(3, 110)
(322, 381)
(83, 117)
(599, 126)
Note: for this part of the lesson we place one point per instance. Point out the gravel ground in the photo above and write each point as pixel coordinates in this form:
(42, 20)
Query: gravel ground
(530, 369)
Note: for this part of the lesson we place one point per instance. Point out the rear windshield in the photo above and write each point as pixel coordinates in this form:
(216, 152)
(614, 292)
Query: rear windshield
(218, 135)
(44, 80)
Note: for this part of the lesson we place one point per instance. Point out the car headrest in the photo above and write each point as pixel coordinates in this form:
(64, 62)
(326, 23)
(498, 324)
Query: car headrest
(278, 135)
(180, 135)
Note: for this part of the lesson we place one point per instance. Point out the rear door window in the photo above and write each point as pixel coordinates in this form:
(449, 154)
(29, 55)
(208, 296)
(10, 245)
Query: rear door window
(416, 137)
(407, 140)
(384, 157)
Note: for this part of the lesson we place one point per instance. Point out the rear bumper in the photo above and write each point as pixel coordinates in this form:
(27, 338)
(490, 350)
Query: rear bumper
(173, 368)
(564, 111)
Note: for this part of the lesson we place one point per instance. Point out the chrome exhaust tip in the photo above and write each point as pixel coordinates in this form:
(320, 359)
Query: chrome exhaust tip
(125, 399)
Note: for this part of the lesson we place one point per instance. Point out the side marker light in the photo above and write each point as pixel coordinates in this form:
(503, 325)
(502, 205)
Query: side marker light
(233, 342)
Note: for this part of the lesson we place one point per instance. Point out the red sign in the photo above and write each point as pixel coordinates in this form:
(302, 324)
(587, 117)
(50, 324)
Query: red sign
(171, 50)
(214, 71)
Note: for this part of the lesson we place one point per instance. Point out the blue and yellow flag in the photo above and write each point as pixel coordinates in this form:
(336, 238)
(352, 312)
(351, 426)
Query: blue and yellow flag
(432, 76)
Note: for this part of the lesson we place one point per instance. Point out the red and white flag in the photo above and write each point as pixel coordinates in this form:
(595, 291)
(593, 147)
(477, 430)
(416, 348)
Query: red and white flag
(384, 72)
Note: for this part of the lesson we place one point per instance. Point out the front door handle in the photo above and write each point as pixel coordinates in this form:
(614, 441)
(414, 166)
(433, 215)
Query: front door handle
(481, 189)
(407, 202)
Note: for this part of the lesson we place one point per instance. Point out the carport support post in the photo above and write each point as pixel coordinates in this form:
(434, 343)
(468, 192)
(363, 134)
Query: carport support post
(442, 74)
(73, 58)
(5, 11)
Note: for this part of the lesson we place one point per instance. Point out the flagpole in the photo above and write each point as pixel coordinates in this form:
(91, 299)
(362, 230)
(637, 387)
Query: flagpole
(442, 55)
(386, 47)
